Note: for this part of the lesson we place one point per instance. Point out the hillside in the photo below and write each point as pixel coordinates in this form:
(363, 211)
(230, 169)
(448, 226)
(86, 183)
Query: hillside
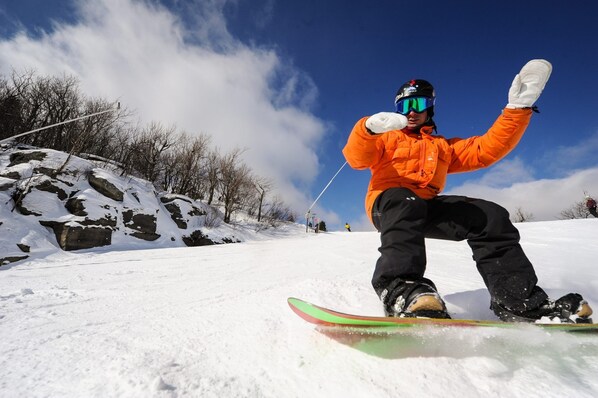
(213, 322)
(51, 201)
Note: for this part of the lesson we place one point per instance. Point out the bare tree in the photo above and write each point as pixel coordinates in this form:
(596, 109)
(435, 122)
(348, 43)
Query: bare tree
(10, 110)
(262, 186)
(103, 134)
(212, 174)
(147, 151)
(233, 183)
(185, 170)
(45, 101)
(29, 102)
(278, 211)
(522, 216)
(577, 210)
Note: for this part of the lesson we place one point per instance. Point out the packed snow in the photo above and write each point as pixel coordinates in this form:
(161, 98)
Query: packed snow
(213, 321)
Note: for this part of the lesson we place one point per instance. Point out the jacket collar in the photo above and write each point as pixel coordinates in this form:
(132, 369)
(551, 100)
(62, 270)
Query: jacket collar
(427, 130)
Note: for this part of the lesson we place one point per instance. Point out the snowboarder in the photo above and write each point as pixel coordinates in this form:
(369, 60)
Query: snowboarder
(591, 205)
(409, 166)
(347, 227)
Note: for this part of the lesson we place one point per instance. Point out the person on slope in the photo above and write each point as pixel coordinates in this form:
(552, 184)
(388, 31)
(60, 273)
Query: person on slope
(409, 167)
(347, 227)
(591, 205)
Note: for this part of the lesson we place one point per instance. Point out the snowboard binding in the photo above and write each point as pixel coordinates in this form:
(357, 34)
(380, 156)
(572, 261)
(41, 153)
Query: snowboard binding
(414, 299)
(571, 308)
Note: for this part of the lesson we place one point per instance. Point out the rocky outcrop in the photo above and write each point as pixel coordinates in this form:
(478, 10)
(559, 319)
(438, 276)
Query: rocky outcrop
(85, 207)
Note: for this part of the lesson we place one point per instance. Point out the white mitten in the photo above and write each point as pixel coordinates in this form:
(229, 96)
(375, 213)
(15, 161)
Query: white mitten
(385, 121)
(529, 83)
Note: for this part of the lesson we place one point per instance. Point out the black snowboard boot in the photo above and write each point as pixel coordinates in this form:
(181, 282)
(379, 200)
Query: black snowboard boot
(414, 299)
(571, 308)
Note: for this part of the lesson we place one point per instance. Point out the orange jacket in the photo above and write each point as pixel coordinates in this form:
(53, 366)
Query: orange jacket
(422, 161)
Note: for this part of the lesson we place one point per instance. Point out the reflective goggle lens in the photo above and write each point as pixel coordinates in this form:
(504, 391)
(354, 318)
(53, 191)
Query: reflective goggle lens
(417, 104)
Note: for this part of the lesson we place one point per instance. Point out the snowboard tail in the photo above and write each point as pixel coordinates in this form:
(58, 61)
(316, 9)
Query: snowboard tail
(326, 317)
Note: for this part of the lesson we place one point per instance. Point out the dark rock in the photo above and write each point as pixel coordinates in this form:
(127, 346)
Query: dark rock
(71, 236)
(49, 186)
(6, 185)
(13, 175)
(106, 221)
(197, 239)
(105, 187)
(143, 224)
(18, 198)
(134, 194)
(176, 214)
(45, 171)
(75, 206)
(26, 157)
(196, 212)
(172, 198)
(11, 259)
(173, 203)
(24, 248)
(43, 184)
(230, 240)
(145, 236)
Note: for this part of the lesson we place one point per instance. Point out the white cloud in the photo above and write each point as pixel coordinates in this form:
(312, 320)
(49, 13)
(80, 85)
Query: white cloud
(544, 199)
(506, 173)
(195, 76)
(565, 158)
(363, 224)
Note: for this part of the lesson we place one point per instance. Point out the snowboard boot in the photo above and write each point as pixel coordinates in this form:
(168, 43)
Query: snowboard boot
(414, 299)
(571, 308)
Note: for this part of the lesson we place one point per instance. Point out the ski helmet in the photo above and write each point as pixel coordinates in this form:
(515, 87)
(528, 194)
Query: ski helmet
(418, 88)
(415, 88)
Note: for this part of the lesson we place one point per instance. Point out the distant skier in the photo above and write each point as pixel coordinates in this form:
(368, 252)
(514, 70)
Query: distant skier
(591, 205)
(347, 227)
(409, 166)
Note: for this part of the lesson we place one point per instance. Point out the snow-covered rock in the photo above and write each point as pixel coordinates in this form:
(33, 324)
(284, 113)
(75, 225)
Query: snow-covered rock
(70, 203)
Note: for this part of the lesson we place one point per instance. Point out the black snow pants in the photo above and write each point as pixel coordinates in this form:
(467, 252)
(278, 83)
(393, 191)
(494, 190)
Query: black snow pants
(404, 220)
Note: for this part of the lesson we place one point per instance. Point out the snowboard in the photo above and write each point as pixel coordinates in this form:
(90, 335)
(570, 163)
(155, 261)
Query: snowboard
(372, 324)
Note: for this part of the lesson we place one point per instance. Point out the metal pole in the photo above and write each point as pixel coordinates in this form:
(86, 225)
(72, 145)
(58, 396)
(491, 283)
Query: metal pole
(307, 215)
(326, 187)
(58, 124)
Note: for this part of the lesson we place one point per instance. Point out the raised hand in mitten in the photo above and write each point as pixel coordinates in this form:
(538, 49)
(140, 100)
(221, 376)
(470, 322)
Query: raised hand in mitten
(529, 83)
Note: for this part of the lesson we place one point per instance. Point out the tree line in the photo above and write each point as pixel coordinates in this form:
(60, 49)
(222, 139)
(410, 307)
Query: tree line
(174, 161)
(575, 211)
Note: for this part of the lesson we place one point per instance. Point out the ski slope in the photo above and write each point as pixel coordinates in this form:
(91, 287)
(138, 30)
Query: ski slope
(214, 322)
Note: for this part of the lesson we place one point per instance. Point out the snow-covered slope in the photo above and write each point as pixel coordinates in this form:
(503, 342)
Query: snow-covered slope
(213, 322)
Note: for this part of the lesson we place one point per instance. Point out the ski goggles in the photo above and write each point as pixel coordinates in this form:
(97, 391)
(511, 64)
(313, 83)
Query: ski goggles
(415, 104)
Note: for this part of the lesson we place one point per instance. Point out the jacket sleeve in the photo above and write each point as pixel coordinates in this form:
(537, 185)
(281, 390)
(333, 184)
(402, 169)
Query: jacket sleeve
(362, 149)
(482, 151)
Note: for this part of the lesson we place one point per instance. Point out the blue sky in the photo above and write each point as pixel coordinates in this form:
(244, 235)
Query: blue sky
(292, 77)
